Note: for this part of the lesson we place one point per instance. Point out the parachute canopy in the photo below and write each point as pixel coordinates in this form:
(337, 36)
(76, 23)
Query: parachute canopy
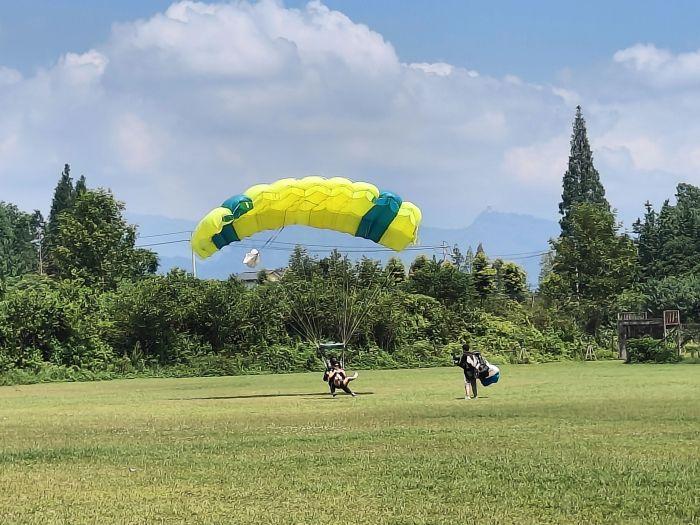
(339, 204)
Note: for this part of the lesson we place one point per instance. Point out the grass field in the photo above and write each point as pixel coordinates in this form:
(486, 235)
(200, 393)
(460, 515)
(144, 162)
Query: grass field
(557, 443)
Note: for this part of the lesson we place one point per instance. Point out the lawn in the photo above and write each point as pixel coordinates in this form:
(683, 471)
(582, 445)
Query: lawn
(558, 443)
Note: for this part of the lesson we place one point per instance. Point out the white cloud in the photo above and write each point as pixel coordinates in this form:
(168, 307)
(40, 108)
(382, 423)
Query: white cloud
(81, 69)
(643, 57)
(659, 67)
(541, 164)
(178, 111)
(9, 76)
(137, 144)
(570, 97)
(437, 68)
(8, 144)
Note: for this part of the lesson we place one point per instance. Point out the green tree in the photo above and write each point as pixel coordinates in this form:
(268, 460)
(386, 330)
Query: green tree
(514, 281)
(669, 241)
(18, 233)
(674, 293)
(80, 186)
(468, 264)
(442, 281)
(396, 270)
(581, 183)
(45, 320)
(369, 272)
(591, 265)
(483, 275)
(93, 242)
(457, 257)
(679, 234)
(63, 197)
(301, 264)
(262, 276)
(648, 242)
(546, 265)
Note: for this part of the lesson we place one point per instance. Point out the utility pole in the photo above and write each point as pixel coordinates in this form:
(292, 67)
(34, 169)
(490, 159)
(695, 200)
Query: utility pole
(39, 243)
(194, 258)
(444, 251)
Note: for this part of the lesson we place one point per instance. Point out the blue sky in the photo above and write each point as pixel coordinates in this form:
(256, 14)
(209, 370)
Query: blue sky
(535, 40)
(456, 105)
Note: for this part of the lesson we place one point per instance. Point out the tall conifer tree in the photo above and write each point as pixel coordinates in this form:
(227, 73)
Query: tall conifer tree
(63, 197)
(483, 274)
(648, 242)
(581, 180)
(80, 186)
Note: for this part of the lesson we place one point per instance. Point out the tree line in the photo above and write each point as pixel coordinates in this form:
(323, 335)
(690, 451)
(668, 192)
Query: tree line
(79, 299)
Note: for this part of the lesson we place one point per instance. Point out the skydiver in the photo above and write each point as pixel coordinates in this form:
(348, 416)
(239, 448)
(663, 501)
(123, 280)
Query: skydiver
(470, 363)
(336, 377)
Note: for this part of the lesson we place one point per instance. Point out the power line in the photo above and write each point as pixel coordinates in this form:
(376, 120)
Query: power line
(161, 243)
(163, 234)
(323, 248)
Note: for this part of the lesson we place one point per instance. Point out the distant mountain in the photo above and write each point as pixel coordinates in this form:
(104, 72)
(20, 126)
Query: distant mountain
(509, 236)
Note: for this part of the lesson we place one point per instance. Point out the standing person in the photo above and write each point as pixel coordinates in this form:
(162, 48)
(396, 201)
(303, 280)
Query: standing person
(469, 362)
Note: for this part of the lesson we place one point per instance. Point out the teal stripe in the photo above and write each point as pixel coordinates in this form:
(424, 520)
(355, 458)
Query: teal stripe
(239, 205)
(376, 221)
(227, 236)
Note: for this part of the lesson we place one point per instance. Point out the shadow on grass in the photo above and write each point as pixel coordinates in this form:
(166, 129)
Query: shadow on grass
(317, 395)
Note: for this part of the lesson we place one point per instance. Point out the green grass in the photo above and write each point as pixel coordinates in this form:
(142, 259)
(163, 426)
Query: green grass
(557, 443)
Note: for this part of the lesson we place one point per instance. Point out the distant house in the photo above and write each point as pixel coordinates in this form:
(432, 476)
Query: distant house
(251, 279)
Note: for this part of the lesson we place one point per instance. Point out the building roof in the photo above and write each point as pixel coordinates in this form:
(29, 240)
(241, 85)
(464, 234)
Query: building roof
(252, 276)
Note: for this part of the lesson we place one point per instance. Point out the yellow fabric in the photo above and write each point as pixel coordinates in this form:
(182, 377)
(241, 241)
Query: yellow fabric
(403, 230)
(335, 204)
(212, 223)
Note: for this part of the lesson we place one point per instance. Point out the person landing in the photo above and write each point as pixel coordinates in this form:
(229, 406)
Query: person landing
(336, 377)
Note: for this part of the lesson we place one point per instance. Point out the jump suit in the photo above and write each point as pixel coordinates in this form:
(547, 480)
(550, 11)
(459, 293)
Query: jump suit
(331, 381)
(468, 364)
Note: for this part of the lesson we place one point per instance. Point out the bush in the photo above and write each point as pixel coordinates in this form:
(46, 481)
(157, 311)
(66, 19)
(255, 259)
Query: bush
(371, 358)
(47, 321)
(605, 354)
(423, 354)
(692, 349)
(648, 350)
(516, 341)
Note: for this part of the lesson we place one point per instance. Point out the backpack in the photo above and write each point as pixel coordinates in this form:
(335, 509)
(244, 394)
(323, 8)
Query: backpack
(482, 367)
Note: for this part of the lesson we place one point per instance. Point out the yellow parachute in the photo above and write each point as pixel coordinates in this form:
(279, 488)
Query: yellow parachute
(356, 208)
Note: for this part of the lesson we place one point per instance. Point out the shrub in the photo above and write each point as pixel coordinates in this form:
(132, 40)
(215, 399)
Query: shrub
(648, 350)
(46, 321)
(423, 353)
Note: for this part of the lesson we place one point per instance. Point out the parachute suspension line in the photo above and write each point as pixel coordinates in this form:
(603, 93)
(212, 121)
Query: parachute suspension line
(372, 300)
(347, 307)
(340, 286)
(311, 319)
(308, 331)
(276, 233)
(351, 299)
(296, 297)
(273, 237)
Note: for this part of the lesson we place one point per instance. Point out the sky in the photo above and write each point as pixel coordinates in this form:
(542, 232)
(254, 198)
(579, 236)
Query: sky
(456, 105)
